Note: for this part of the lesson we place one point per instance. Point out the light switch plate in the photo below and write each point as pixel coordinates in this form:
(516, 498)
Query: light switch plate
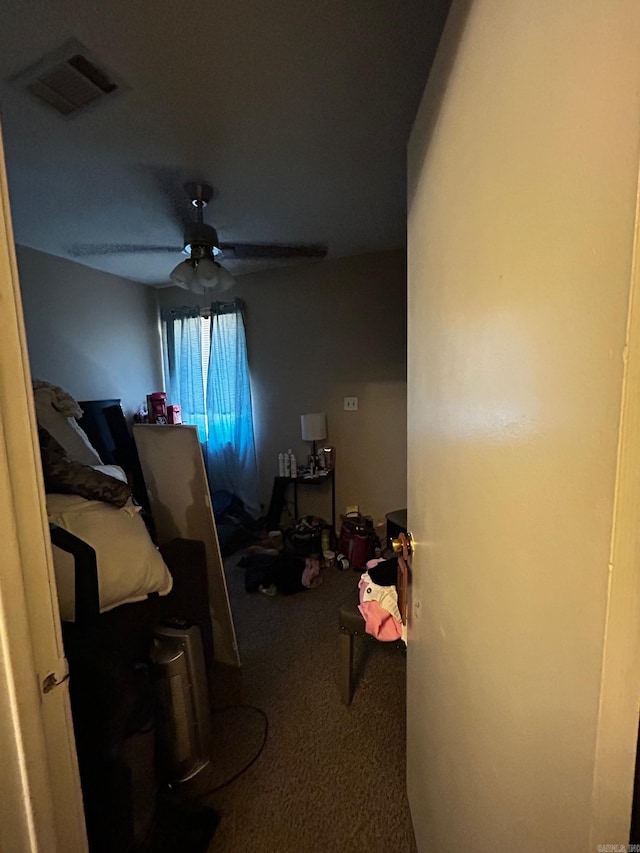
(351, 404)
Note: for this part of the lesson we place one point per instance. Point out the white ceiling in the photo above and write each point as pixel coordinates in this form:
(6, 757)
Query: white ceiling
(297, 111)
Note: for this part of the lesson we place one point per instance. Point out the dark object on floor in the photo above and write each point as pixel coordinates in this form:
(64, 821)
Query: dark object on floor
(234, 526)
(231, 537)
(351, 625)
(180, 828)
(284, 571)
(305, 538)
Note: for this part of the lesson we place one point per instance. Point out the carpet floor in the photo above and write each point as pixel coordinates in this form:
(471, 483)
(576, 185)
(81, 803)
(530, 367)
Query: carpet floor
(330, 778)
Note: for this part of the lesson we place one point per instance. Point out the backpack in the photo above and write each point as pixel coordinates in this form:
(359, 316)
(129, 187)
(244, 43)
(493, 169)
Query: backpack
(305, 539)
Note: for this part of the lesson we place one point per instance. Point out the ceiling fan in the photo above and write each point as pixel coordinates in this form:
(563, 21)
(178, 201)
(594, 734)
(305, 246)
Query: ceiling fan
(201, 271)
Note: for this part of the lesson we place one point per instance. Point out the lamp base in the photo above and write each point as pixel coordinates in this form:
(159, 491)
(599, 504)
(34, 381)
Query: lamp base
(312, 461)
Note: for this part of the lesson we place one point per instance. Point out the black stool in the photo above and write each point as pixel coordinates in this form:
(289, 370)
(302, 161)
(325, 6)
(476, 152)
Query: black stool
(351, 624)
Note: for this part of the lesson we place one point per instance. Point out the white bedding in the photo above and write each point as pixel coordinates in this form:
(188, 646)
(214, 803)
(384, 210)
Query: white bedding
(129, 565)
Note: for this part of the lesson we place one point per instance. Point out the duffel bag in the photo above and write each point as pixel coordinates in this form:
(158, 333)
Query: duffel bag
(357, 540)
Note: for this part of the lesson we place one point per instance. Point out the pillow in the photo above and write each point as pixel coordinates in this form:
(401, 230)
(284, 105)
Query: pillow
(67, 477)
(129, 565)
(64, 429)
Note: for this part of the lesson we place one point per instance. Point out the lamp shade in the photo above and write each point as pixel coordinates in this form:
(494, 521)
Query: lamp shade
(225, 279)
(201, 275)
(207, 272)
(183, 275)
(314, 426)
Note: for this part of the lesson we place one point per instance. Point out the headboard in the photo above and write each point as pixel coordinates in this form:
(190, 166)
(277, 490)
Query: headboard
(97, 427)
(106, 426)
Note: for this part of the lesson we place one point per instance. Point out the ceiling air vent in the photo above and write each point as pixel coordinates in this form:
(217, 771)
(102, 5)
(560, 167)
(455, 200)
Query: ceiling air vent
(69, 80)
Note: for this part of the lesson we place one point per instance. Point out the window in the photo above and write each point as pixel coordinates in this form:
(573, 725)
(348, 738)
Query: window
(207, 374)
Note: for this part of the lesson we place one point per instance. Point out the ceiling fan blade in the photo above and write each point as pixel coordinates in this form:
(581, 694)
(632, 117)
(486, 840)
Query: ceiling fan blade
(274, 250)
(85, 250)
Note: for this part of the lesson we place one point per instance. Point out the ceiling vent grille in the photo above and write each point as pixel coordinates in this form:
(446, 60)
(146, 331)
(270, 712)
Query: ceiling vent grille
(69, 80)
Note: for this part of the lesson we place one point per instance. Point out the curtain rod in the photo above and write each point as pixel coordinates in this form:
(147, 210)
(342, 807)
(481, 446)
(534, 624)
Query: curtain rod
(201, 310)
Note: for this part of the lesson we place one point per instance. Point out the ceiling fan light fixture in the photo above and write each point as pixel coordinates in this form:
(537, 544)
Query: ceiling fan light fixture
(198, 286)
(201, 237)
(189, 248)
(225, 279)
(183, 275)
(207, 272)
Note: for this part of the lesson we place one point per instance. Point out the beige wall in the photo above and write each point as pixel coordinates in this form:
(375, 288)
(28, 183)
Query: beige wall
(523, 175)
(317, 333)
(92, 333)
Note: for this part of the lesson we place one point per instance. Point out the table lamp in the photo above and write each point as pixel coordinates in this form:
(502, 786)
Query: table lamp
(314, 428)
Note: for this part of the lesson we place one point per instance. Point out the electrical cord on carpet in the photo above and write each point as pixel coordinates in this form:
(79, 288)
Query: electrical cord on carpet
(249, 763)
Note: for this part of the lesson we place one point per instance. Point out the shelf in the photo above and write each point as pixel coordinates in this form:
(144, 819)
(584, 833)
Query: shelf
(281, 484)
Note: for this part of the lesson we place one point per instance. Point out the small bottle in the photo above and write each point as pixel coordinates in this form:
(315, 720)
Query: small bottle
(287, 464)
(281, 465)
(293, 465)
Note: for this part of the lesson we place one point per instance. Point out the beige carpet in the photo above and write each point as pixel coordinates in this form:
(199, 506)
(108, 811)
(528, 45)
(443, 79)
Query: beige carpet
(330, 779)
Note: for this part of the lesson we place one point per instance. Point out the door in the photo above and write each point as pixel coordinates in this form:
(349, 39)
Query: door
(523, 384)
(40, 799)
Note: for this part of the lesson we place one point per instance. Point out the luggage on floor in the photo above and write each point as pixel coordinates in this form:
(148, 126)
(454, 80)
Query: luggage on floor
(358, 540)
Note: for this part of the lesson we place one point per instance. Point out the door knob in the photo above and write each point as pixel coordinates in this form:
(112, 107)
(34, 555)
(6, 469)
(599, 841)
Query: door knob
(403, 545)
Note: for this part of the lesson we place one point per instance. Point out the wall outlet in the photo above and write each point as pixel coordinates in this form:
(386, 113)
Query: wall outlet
(351, 404)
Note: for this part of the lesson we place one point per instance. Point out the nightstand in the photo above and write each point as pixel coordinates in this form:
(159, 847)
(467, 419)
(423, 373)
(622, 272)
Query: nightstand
(280, 487)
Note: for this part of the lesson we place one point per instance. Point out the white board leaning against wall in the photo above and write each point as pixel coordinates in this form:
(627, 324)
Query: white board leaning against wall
(178, 490)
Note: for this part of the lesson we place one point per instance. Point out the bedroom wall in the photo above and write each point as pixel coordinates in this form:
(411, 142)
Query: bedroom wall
(92, 333)
(317, 333)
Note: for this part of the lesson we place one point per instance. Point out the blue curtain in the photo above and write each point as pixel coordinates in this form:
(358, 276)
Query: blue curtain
(231, 455)
(183, 368)
(215, 396)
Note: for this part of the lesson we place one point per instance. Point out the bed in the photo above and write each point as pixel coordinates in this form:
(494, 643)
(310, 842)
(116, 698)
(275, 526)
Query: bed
(114, 587)
(94, 502)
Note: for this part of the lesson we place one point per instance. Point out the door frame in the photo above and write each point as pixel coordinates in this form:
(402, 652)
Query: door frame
(40, 797)
(617, 737)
